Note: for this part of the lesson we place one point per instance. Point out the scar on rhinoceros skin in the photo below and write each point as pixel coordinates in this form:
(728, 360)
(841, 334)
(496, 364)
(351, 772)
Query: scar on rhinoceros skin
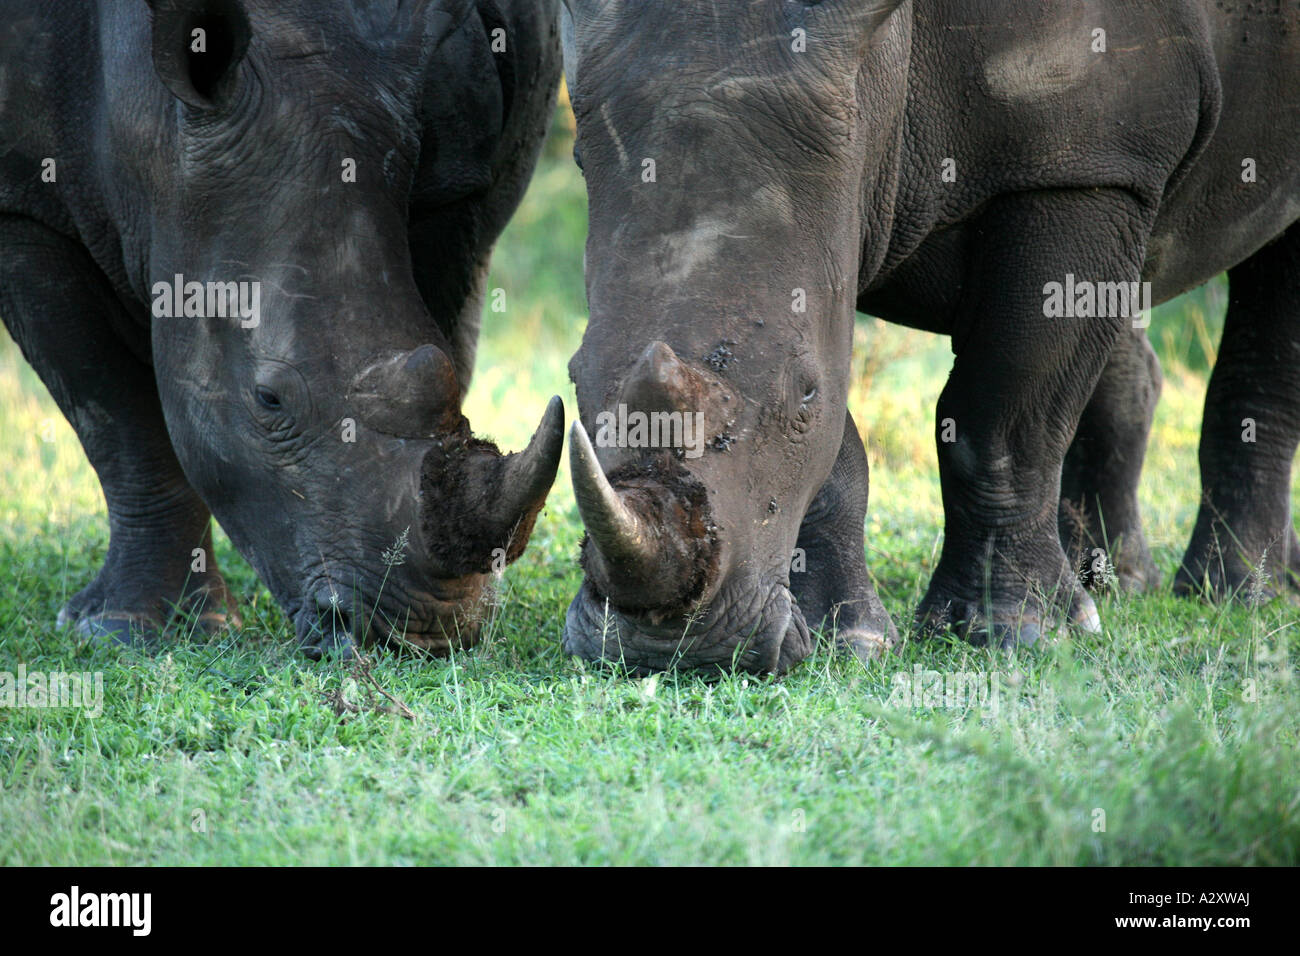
(613, 135)
(1039, 70)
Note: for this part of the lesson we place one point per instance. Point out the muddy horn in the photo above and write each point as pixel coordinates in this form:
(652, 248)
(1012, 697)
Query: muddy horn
(476, 502)
(651, 556)
(611, 525)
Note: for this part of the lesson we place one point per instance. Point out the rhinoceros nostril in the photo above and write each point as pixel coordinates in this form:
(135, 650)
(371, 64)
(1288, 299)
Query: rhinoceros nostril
(325, 626)
(334, 610)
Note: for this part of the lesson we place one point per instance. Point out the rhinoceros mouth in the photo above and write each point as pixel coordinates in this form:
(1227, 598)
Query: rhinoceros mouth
(435, 619)
(747, 628)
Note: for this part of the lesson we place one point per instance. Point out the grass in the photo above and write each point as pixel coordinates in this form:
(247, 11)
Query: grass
(1175, 729)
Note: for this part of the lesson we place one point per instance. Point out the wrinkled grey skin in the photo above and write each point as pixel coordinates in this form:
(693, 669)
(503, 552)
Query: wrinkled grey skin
(331, 428)
(824, 171)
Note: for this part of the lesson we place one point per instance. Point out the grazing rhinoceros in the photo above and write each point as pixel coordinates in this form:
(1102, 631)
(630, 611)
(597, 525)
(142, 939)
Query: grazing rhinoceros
(1003, 173)
(244, 243)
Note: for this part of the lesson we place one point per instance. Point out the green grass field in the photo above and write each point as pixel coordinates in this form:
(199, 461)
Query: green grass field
(1171, 738)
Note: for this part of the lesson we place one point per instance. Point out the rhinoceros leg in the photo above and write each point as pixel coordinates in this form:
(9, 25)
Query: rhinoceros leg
(1019, 385)
(63, 315)
(1099, 519)
(830, 579)
(1249, 437)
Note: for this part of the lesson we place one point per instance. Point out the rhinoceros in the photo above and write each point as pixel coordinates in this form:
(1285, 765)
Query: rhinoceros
(1026, 178)
(245, 245)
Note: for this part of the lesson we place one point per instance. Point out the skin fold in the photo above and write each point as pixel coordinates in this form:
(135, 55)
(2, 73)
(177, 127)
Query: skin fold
(756, 171)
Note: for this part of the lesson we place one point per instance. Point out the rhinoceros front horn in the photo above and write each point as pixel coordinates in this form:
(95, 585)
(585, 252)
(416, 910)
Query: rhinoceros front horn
(528, 475)
(612, 527)
(477, 503)
(645, 548)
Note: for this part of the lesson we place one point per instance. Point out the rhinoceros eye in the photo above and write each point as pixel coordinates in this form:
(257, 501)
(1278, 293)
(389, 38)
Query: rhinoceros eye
(801, 420)
(267, 398)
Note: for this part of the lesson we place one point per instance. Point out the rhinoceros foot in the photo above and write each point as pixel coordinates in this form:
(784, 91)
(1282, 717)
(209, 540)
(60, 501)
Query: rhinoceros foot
(1242, 573)
(868, 646)
(1008, 624)
(1115, 561)
(206, 608)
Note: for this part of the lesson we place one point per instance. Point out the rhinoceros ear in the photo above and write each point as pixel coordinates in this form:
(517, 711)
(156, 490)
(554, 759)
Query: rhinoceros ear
(196, 46)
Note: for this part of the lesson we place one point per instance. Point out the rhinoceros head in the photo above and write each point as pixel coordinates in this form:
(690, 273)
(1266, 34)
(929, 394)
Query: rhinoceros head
(725, 148)
(322, 185)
